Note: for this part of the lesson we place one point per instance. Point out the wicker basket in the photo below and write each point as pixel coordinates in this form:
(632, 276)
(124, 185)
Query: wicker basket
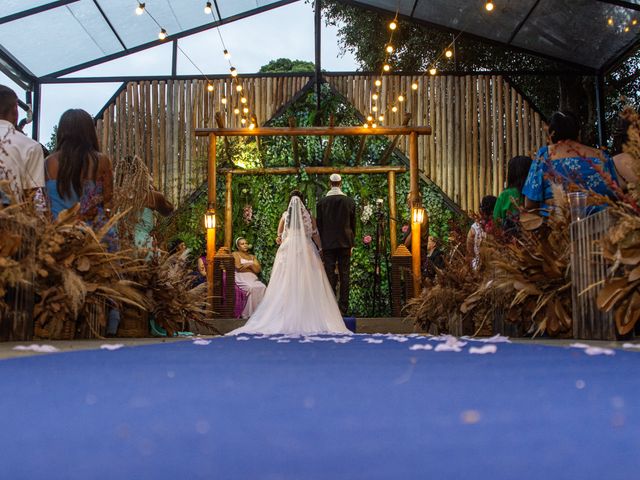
(134, 323)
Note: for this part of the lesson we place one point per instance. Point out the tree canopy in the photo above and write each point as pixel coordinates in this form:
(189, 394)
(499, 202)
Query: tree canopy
(285, 65)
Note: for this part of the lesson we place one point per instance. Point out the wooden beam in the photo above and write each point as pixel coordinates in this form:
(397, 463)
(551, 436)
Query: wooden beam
(311, 131)
(315, 170)
(415, 227)
(228, 212)
(391, 176)
(391, 147)
(211, 233)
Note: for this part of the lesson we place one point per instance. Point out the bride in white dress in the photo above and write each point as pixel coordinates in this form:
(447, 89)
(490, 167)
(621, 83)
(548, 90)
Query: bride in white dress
(299, 299)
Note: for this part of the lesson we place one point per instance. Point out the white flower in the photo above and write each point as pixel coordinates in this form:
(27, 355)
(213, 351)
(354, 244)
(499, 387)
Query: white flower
(367, 211)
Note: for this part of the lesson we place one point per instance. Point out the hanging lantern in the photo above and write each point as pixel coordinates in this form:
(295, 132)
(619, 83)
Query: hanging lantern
(210, 218)
(417, 213)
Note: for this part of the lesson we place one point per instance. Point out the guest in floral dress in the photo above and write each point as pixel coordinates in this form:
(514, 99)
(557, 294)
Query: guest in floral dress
(565, 160)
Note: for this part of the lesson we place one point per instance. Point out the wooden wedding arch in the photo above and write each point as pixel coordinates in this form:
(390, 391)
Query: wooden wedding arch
(414, 192)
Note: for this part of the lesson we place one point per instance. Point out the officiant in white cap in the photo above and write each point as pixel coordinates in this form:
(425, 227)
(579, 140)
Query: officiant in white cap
(336, 221)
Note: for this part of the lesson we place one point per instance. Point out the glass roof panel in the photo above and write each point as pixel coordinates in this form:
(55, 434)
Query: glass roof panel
(229, 8)
(81, 35)
(174, 16)
(9, 7)
(585, 32)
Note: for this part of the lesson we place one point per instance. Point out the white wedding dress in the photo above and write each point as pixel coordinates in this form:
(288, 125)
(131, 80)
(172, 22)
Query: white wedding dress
(299, 299)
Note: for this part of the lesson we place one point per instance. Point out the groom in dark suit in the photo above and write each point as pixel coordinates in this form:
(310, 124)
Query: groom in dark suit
(336, 219)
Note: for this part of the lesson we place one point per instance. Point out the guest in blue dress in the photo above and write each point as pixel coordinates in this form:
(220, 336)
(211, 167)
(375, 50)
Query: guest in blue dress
(78, 173)
(565, 160)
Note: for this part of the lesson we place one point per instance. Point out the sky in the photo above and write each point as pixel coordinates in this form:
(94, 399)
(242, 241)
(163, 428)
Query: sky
(254, 41)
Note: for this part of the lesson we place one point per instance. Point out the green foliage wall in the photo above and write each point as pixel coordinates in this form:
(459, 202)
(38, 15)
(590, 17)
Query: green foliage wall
(260, 200)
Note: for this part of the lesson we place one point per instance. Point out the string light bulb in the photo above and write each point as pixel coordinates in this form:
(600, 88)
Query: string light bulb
(243, 121)
(252, 126)
(448, 53)
(234, 72)
(374, 108)
(224, 100)
(489, 6)
(381, 118)
(374, 125)
(374, 96)
(610, 21)
(626, 29)
(393, 25)
(394, 109)
(386, 67)
(236, 110)
(163, 34)
(226, 54)
(369, 118)
(210, 87)
(207, 8)
(243, 100)
(378, 83)
(140, 9)
(634, 22)
(401, 98)
(365, 125)
(238, 88)
(414, 86)
(245, 110)
(389, 48)
(433, 71)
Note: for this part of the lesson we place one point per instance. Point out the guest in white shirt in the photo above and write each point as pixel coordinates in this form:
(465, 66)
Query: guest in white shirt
(21, 158)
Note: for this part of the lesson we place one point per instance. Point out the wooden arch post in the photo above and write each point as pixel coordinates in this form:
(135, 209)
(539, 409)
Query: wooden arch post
(413, 133)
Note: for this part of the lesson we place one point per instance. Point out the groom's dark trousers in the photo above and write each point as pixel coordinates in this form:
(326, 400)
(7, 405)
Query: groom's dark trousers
(341, 256)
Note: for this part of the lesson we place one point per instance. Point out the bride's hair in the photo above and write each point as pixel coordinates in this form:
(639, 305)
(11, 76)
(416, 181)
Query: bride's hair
(297, 193)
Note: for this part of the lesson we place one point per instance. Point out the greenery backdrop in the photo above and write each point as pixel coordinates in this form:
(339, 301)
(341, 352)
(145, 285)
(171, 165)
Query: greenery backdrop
(259, 200)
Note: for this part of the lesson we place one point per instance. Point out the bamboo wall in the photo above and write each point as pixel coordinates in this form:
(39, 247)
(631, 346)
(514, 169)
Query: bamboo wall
(479, 123)
(155, 120)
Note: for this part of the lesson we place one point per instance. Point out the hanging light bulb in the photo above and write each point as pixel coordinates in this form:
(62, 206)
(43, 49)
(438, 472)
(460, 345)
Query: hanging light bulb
(140, 9)
(234, 72)
(243, 100)
(224, 100)
(210, 87)
(489, 6)
(369, 118)
(245, 110)
(381, 118)
(374, 108)
(207, 8)
(365, 125)
(252, 126)
(393, 25)
(238, 88)
(243, 121)
(401, 98)
(389, 48)
(448, 53)
(394, 109)
(386, 67)
(374, 96)
(626, 29)
(634, 22)
(378, 83)
(226, 54)
(610, 21)
(163, 34)
(433, 71)
(414, 86)
(236, 110)
(374, 125)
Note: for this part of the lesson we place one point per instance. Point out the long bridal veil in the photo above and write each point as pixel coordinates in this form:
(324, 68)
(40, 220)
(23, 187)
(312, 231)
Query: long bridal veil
(299, 299)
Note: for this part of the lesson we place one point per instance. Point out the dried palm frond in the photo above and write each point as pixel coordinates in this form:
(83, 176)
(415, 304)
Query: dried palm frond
(132, 187)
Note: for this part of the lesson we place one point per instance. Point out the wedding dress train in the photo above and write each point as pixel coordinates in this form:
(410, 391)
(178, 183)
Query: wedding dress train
(299, 299)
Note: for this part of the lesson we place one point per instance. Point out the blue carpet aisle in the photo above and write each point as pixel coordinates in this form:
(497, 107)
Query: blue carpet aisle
(261, 408)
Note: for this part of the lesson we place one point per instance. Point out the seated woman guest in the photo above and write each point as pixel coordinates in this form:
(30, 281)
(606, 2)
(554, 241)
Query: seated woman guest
(247, 269)
(506, 211)
(479, 229)
(565, 160)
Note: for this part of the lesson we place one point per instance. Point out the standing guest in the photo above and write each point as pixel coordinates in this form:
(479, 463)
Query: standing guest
(21, 158)
(78, 173)
(566, 160)
(507, 206)
(625, 164)
(337, 228)
(478, 231)
(247, 270)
